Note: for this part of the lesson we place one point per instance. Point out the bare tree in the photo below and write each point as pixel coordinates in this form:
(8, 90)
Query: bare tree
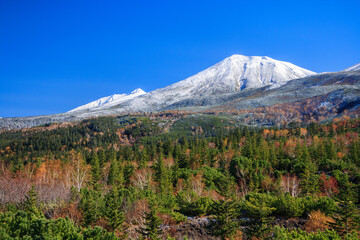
(290, 183)
(141, 178)
(80, 170)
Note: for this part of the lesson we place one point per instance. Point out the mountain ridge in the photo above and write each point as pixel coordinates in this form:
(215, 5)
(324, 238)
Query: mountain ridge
(109, 100)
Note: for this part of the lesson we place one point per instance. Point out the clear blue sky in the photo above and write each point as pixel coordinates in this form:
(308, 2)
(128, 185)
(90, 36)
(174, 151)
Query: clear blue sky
(57, 55)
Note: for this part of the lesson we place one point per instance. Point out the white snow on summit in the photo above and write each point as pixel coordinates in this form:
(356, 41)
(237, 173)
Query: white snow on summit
(238, 72)
(110, 100)
(354, 68)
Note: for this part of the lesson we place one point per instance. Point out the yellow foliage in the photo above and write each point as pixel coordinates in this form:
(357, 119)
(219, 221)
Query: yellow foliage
(317, 221)
(303, 131)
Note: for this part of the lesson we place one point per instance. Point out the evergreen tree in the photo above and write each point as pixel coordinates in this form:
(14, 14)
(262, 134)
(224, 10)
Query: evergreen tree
(330, 150)
(175, 172)
(115, 174)
(92, 204)
(309, 181)
(152, 224)
(162, 176)
(346, 218)
(225, 184)
(128, 171)
(113, 212)
(144, 158)
(31, 202)
(272, 155)
(259, 213)
(102, 158)
(224, 223)
(95, 168)
(183, 160)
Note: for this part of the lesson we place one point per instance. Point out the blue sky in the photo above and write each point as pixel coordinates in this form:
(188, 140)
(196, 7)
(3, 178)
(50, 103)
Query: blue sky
(57, 55)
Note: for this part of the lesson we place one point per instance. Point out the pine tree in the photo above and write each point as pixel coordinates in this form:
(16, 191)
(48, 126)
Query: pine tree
(330, 150)
(346, 218)
(115, 174)
(102, 158)
(224, 223)
(152, 225)
(128, 171)
(144, 158)
(162, 176)
(175, 172)
(304, 155)
(259, 214)
(272, 155)
(113, 212)
(31, 202)
(95, 168)
(89, 211)
(309, 181)
(183, 160)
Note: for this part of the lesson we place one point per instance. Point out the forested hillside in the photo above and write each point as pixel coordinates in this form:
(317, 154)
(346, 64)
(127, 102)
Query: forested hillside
(180, 176)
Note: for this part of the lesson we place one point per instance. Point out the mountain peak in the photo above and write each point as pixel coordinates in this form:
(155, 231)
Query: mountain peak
(238, 72)
(239, 56)
(138, 91)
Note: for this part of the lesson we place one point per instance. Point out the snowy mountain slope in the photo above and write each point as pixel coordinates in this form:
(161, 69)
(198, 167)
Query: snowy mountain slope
(109, 101)
(239, 72)
(354, 68)
(233, 74)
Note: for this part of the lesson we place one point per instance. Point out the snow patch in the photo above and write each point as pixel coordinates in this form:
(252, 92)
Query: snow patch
(325, 104)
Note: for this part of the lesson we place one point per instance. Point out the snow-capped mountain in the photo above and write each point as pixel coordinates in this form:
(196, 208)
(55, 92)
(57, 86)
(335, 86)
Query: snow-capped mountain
(236, 77)
(354, 68)
(239, 72)
(233, 74)
(109, 101)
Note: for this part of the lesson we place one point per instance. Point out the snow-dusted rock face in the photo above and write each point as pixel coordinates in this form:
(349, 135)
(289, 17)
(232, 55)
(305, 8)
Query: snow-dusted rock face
(109, 101)
(354, 68)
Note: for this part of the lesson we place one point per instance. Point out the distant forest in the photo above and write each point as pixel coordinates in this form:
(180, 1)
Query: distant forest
(180, 176)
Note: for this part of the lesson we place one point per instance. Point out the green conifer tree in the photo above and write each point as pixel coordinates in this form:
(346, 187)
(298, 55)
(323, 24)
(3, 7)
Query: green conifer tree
(259, 214)
(31, 203)
(346, 218)
(224, 223)
(113, 212)
(115, 174)
(152, 224)
(162, 175)
(95, 168)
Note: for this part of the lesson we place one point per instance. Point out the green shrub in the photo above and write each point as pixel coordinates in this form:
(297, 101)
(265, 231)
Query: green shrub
(288, 206)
